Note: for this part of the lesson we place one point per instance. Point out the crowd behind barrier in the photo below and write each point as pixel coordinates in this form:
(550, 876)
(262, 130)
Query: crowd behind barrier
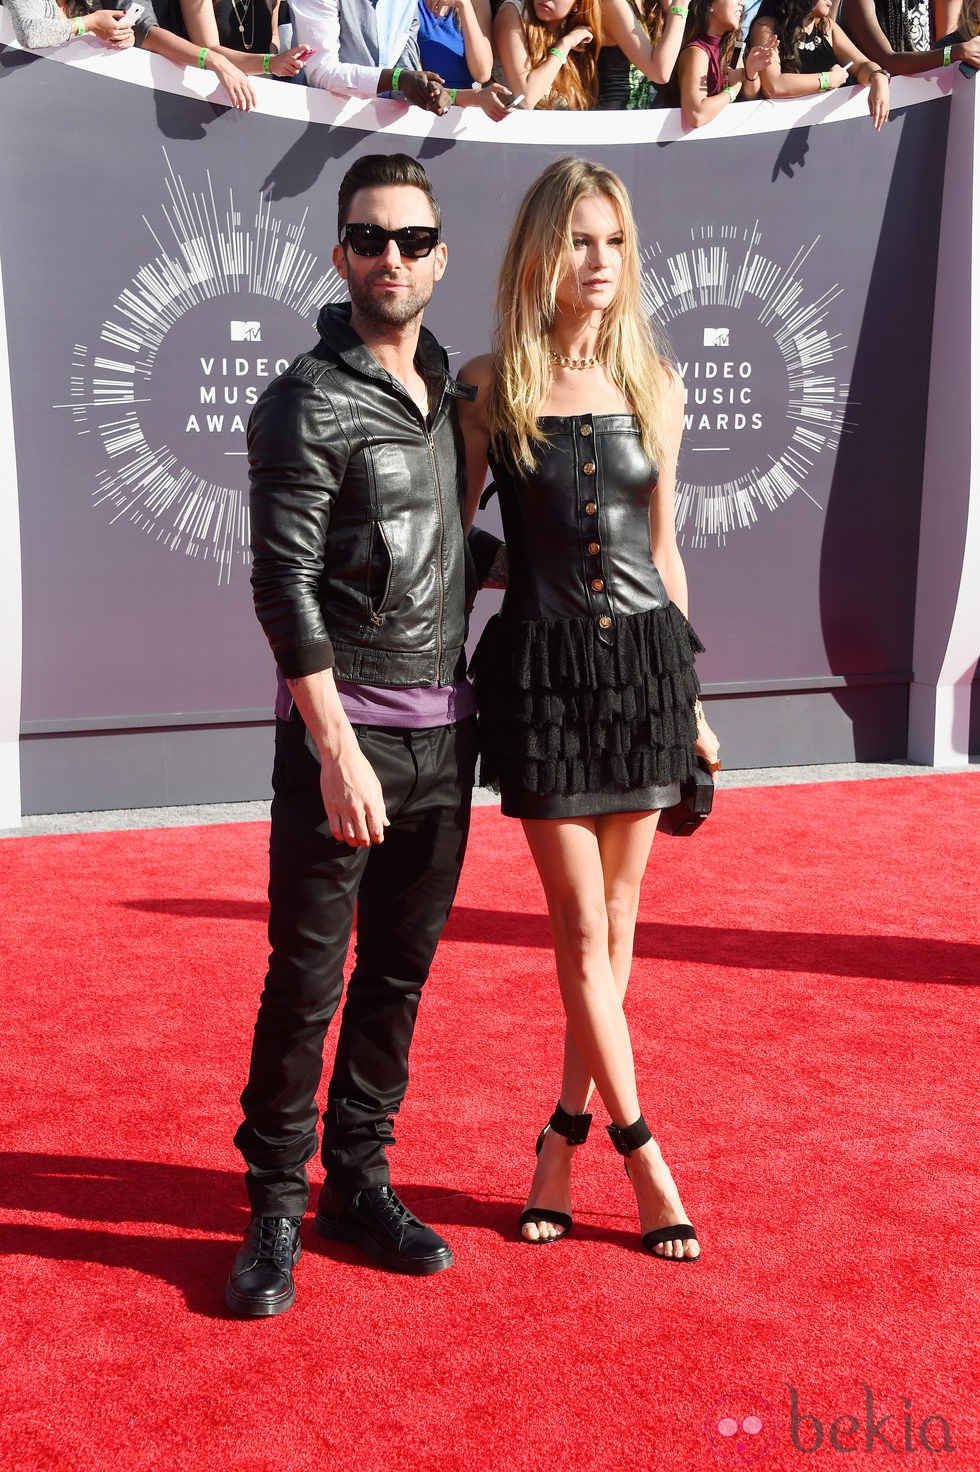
(553, 55)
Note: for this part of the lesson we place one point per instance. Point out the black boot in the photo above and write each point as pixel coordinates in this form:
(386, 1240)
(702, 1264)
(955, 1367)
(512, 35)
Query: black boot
(375, 1221)
(261, 1280)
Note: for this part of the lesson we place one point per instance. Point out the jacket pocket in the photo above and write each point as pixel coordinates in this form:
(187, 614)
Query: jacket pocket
(379, 574)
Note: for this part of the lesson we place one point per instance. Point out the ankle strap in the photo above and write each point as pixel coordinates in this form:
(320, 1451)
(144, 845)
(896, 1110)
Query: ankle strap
(628, 1138)
(572, 1127)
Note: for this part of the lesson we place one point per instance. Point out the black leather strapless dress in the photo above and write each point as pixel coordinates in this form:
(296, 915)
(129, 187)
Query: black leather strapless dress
(585, 679)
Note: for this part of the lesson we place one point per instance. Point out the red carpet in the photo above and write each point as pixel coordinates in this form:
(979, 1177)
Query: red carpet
(804, 1013)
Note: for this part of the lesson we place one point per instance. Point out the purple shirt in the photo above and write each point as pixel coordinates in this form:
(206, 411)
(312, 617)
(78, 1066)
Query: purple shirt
(415, 707)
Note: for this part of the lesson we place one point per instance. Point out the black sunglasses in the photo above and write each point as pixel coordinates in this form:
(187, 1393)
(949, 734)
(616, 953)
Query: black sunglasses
(413, 241)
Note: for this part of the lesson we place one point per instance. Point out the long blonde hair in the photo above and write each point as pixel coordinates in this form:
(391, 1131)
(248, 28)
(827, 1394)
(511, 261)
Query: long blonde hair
(534, 262)
(577, 83)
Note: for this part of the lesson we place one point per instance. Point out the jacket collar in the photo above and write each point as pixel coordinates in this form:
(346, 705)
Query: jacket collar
(341, 341)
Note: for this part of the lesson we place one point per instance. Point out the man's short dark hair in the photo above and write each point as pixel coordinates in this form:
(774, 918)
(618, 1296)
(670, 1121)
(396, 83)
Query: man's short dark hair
(378, 170)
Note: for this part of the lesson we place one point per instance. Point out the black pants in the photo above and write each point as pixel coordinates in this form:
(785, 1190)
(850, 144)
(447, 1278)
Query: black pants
(404, 889)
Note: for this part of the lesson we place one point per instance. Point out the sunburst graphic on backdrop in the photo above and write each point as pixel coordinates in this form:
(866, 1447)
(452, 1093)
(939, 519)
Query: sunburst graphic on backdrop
(188, 344)
(758, 354)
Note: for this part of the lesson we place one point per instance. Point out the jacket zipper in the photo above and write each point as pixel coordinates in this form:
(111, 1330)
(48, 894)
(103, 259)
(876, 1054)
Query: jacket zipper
(442, 596)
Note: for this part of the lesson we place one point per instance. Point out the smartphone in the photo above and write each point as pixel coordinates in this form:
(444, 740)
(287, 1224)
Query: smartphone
(305, 53)
(967, 69)
(132, 9)
(736, 60)
(516, 100)
(848, 65)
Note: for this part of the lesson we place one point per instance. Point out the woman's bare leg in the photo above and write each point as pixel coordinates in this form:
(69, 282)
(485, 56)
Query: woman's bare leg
(591, 870)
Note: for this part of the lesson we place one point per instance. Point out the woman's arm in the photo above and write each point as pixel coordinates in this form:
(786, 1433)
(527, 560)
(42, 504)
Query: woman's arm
(776, 83)
(865, 73)
(475, 431)
(757, 57)
(185, 53)
(200, 22)
(39, 24)
(697, 105)
(491, 97)
(864, 29)
(663, 534)
(476, 26)
(663, 525)
(622, 27)
(945, 17)
(537, 82)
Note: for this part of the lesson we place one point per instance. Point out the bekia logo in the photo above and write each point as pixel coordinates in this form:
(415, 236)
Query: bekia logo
(742, 1426)
(866, 1433)
(246, 331)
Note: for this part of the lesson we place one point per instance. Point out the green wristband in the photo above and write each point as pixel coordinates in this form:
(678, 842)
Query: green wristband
(731, 94)
(556, 51)
(680, 10)
(825, 81)
(396, 77)
(202, 58)
(79, 25)
(947, 55)
(265, 63)
(452, 96)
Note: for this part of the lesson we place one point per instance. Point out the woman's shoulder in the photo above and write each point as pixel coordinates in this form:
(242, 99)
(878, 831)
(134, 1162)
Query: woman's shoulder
(478, 371)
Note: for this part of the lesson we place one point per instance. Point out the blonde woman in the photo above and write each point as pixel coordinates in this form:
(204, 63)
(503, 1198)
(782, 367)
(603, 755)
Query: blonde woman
(586, 680)
(548, 51)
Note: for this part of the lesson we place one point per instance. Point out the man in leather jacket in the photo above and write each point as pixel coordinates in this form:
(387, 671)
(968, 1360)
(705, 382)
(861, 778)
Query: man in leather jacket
(359, 583)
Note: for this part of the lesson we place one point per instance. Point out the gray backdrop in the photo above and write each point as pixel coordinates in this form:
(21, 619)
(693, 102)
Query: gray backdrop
(153, 284)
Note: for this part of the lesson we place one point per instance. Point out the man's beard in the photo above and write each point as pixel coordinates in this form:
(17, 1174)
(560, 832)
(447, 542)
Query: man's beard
(394, 310)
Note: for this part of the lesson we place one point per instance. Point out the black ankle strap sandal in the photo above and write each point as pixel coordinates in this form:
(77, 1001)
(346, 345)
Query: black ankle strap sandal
(574, 1129)
(626, 1139)
(630, 1137)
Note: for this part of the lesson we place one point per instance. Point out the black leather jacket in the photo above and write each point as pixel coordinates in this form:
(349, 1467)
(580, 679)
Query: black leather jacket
(359, 559)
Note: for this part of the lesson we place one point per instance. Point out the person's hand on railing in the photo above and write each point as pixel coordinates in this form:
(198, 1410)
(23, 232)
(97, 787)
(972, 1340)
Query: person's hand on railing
(493, 100)
(426, 90)
(968, 51)
(878, 99)
(235, 82)
(111, 27)
(288, 63)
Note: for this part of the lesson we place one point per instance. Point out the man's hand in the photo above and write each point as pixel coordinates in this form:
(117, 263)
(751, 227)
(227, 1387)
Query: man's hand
(352, 798)
(425, 90)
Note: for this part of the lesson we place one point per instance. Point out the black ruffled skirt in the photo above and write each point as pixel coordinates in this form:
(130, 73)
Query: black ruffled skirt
(571, 726)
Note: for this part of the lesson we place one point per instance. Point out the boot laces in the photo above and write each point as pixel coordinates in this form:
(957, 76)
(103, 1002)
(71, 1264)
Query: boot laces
(274, 1239)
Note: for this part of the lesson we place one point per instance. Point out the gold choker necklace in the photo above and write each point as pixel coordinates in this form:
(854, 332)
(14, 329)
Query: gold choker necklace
(578, 363)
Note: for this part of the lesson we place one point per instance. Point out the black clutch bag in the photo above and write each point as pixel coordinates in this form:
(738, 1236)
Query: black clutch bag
(697, 794)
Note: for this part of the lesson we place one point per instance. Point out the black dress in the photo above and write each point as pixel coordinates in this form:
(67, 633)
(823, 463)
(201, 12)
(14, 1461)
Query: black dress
(585, 679)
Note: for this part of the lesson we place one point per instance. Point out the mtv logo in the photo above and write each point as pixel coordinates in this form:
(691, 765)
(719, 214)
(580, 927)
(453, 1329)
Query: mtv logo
(246, 332)
(716, 337)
